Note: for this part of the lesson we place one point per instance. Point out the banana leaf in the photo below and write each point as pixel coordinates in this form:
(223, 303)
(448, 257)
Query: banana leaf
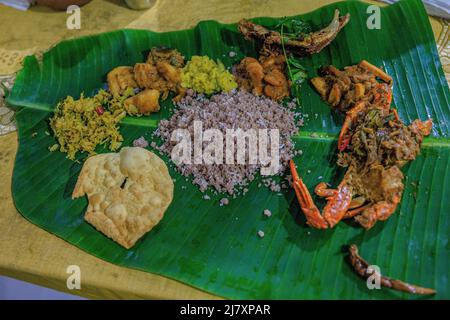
(216, 248)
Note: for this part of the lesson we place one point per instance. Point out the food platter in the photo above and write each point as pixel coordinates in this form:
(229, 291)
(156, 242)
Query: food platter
(217, 248)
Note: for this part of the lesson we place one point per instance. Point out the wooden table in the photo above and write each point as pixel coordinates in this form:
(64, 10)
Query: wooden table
(31, 254)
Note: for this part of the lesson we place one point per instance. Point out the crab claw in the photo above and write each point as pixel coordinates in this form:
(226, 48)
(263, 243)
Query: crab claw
(337, 205)
(338, 201)
(307, 205)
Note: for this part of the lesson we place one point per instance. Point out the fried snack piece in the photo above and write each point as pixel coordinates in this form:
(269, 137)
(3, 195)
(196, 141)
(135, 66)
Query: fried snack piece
(128, 193)
(145, 102)
(120, 79)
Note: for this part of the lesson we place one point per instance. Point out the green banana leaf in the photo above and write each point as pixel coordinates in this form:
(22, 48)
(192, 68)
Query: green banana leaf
(216, 248)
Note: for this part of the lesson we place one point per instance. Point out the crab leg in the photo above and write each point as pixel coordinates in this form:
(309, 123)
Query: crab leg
(352, 114)
(307, 205)
(322, 190)
(354, 212)
(382, 96)
(356, 202)
(379, 211)
(376, 71)
(394, 111)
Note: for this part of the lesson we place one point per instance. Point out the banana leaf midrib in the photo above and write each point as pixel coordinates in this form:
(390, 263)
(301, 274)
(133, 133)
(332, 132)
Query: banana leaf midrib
(302, 135)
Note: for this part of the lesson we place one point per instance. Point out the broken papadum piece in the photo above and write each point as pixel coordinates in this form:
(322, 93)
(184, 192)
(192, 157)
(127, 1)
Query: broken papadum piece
(128, 193)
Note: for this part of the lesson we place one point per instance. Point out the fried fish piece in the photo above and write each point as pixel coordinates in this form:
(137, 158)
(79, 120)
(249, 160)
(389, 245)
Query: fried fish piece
(145, 102)
(128, 193)
(302, 45)
(119, 79)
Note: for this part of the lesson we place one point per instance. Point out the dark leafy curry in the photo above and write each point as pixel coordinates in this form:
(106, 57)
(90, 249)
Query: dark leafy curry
(382, 139)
